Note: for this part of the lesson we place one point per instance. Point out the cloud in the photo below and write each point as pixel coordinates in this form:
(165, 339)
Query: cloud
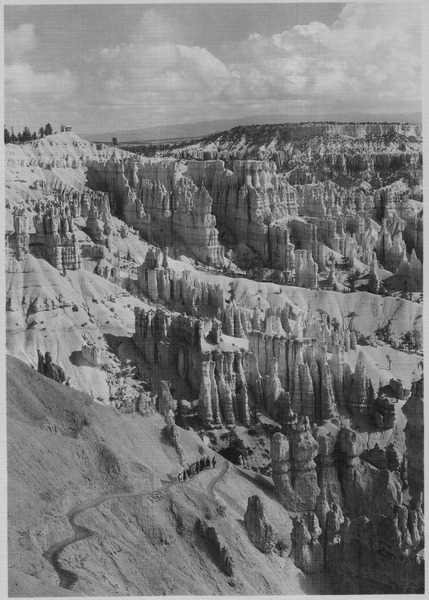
(21, 81)
(20, 41)
(32, 96)
(368, 58)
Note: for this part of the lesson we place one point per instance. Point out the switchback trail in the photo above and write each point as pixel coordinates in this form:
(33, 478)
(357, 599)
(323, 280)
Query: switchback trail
(52, 554)
(68, 578)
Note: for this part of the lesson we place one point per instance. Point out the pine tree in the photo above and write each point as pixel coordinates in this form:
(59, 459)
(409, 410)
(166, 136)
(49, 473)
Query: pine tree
(7, 138)
(41, 132)
(13, 137)
(34, 136)
(26, 134)
(48, 129)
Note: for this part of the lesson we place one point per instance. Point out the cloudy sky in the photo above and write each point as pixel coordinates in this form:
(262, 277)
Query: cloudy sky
(112, 67)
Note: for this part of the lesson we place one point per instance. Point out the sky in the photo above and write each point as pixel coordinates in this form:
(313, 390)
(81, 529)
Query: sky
(118, 67)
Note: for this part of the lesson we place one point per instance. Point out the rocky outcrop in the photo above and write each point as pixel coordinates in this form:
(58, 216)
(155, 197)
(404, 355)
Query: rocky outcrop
(307, 551)
(173, 433)
(410, 273)
(55, 240)
(17, 242)
(414, 439)
(182, 293)
(379, 555)
(368, 491)
(259, 530)
(305, 270)
(326, 437)
(92, 354)
(161, 203)
(294, 469)
(361, 397)
(46, 367)
(165, 399)
(216, 546)
(145, 404)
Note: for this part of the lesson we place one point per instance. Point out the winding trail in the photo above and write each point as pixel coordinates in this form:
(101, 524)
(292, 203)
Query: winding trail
(215, 480)
(68, 578)
(52, 554)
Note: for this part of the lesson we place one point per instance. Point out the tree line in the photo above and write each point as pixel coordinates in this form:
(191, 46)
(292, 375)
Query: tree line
(26, 136)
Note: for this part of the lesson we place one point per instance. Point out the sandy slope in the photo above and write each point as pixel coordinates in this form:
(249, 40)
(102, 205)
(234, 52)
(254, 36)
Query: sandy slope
(63, 452)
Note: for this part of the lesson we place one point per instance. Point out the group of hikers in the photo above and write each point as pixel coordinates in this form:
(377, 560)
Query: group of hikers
(197, 467)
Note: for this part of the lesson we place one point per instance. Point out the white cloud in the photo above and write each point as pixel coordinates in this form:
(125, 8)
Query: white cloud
(21, 81)
(368, 60)
(32, 96)
(20, 41)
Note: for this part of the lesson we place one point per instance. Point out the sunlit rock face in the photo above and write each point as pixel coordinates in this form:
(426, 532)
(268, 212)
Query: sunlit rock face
(294, 469)
(166, 207)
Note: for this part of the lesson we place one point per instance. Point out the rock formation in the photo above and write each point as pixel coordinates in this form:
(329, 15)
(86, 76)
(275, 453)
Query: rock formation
(259, 530)
(55, 239)
(294, 469)
(413, 410)
(217, 547)
(307, 551)
(46, 367)
(17, 242)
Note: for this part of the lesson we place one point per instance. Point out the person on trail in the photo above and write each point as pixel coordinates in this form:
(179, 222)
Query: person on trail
(179, 477)
(214, 462)
(207, 462)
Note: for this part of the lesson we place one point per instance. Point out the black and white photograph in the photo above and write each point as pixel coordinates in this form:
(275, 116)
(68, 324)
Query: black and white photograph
(214, 285)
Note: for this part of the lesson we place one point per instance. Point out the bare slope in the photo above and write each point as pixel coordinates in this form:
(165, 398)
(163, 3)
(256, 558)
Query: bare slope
(64, 452)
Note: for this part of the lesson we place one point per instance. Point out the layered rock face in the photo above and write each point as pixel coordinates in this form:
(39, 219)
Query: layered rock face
(55, 239)
(166, 207)
(182, 293)
(172, 341)
(275, 370)
(294, 469)
(255, 203)
(290, 227)
(17, 242)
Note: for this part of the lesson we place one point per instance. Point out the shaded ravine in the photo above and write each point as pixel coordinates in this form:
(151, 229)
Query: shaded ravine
(52, 554)
(68, 578)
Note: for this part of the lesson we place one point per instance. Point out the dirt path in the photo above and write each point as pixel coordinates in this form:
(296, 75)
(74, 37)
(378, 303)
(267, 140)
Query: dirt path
(68, 578)
(52, 554)
(215, 480)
